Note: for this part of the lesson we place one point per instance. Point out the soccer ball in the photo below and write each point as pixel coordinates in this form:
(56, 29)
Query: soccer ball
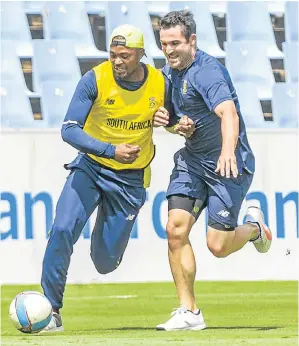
(30, 312)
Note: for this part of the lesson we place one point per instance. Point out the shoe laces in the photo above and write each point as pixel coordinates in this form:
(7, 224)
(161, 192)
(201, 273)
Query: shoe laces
(179, 311)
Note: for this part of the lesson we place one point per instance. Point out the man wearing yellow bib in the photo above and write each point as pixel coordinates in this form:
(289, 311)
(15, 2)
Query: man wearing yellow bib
(110, 122)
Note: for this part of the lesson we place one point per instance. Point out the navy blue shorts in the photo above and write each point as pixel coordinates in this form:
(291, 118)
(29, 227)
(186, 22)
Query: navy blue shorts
(222, 196)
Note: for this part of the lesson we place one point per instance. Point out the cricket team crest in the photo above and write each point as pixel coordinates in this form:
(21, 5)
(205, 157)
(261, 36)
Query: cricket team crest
(184, 86)
(152, 102)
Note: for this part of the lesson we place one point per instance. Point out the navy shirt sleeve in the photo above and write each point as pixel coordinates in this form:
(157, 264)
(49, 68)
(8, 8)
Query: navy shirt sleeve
(77, 113)
(212, 85)
(173, 119)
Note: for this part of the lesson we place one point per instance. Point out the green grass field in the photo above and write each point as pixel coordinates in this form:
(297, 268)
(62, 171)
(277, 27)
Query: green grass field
(237, 313)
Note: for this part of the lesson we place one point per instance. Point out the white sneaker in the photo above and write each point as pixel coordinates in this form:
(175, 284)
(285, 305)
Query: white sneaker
(263, 242)
(55, 324)
(183, 319)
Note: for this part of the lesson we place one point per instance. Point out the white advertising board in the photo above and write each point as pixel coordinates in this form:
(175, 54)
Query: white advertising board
(32, 176)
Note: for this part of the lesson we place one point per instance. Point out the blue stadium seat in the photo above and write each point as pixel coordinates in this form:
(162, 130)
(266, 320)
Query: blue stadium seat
(250, 21)
(148, 60)
(250, 106)
(134, 13)
(95, 7)
(14, 27)
(291, 61)
(275, 7)
(218, 7)
(285, 105)
(69, 20)
(11, 68)
(205, 31)
(291, 21)
(248, 62)
(34, 7)
(55, 99)
(158, 8)
(54, 60)
(16, 110)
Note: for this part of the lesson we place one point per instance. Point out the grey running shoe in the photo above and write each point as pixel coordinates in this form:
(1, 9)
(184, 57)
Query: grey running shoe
(55, 324)
(263, 242)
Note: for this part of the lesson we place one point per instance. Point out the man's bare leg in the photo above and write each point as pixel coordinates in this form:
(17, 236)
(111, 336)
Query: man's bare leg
(181, 256)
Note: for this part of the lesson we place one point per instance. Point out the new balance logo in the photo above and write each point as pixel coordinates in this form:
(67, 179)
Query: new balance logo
(130, 217)
(223, 213)
(109, 102)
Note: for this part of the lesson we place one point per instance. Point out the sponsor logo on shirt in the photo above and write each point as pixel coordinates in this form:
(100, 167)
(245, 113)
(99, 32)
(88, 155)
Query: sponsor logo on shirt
(129, 125)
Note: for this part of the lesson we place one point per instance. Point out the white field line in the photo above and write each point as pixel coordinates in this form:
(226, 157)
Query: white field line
(163, 296)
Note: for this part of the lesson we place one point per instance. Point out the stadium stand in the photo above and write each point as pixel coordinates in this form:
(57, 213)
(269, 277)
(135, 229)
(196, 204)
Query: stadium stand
(291, 61)
(55, 98)
(250, 21)
(248, 62)
(14, 99)
(11, 68)
(250, 106)
(69, 20)
(95, 7)
(291, 21)
(54, 60)
(205, 30)
(34, 7)
(31, 32)
(159, 8)
(285, 105)
(14, 27)
(124, 12)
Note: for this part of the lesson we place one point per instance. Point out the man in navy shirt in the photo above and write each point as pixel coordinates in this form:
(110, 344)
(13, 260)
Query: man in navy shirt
(213, 170)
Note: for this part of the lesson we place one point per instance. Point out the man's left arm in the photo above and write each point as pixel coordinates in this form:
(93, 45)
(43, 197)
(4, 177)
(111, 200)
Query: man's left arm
(227, 163)
(215, 91)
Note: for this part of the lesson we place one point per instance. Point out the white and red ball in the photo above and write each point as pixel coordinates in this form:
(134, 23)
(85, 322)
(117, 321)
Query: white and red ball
(30, 312)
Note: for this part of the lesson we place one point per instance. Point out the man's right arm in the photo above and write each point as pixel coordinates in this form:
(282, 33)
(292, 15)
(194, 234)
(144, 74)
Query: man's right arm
(168, 105)
(166, 117)
(72, 128)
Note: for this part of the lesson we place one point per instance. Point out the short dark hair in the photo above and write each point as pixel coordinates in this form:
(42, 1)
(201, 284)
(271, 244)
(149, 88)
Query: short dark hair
(183, 18)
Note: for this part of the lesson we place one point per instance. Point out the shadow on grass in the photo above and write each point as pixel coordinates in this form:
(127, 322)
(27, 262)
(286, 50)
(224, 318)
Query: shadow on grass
(208, 328)
(246, 327)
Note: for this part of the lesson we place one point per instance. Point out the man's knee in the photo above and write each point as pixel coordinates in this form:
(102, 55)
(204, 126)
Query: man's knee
(62, 230)
(105, 265)
(219, 242)
(177, 232)
(218, 250)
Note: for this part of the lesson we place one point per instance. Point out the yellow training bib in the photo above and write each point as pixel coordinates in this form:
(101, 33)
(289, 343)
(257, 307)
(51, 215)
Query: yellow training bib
(122, 116)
